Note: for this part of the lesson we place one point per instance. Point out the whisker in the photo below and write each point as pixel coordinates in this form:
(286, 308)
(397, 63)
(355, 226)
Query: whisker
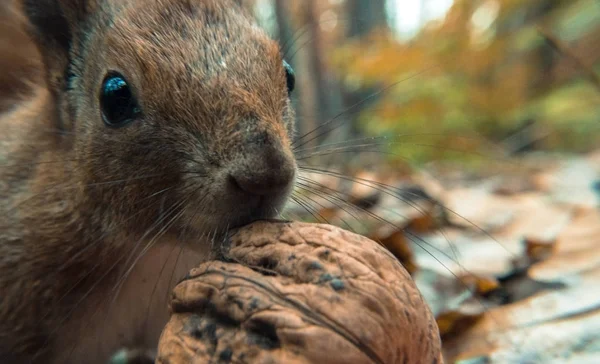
(9, 165)
(181, 246)
(414, 206)
(126, 275)
(76, 186)
(350, 151)
(386, 189)
(92, 269)
(289, 44)
(421, 243)
(363, 140)
(164, 216)
(358, 149)
(83, 298)
(160, 273)
(170, 281)
(124, 180)
(76, 256)
(304, 44)
(298, 200)
(363, 101)
(309, 189)
(395, 226)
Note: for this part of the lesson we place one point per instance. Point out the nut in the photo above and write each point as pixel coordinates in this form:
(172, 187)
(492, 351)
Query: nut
(292, 292)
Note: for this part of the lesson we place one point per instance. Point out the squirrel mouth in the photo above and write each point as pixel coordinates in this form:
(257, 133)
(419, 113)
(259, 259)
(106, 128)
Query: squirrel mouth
(233, 201)
(232, 213)
(262, 208)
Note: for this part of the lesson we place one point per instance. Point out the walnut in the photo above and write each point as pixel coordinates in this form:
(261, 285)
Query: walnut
(300, 293)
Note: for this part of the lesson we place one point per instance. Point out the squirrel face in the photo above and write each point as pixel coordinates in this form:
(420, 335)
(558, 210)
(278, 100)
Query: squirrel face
(185, 100)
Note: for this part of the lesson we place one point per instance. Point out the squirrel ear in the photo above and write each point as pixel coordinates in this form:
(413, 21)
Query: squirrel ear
(53, 24)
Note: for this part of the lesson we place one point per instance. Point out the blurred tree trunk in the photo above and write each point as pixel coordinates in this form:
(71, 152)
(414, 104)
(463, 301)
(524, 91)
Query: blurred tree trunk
(326, 92)
(364, 16)
(545, 54)
(525, 137)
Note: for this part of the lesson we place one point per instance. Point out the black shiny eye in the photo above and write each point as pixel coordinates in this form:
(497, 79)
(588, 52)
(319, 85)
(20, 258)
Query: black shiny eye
(290, 76)
(118, 104)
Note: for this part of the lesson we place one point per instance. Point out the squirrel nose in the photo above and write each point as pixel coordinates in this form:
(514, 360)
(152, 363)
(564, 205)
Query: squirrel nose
(263, 171)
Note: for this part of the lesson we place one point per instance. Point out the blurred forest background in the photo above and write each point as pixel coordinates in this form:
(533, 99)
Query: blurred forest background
(456, 79)
(508, 260)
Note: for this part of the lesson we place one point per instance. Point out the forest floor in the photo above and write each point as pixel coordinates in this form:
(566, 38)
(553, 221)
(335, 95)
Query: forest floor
(509, 259)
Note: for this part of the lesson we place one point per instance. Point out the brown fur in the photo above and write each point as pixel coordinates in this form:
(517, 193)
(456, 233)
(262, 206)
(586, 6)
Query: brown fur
(20, 63)
(78, 199)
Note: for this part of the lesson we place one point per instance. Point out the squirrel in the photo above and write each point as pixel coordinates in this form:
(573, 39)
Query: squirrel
(154, 128)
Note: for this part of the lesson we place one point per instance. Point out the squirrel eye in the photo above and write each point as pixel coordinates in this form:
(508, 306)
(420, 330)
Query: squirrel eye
(118, 104)
(290, 76)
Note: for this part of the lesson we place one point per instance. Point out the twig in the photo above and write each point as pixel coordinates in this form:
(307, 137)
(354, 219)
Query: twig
(562, 48)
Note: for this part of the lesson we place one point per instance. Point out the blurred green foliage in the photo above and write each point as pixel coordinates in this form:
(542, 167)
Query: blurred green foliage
(463, 86)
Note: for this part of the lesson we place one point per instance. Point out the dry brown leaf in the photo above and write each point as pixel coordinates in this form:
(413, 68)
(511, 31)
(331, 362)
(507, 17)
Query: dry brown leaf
(556, 316)
(398, 244)
(453, 322)
(538, 250)
(482, 285)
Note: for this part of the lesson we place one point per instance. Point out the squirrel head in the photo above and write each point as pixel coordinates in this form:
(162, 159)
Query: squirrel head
(173, 110)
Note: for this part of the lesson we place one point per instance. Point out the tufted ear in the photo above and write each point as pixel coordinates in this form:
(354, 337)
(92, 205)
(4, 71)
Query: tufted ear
(53, 26)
